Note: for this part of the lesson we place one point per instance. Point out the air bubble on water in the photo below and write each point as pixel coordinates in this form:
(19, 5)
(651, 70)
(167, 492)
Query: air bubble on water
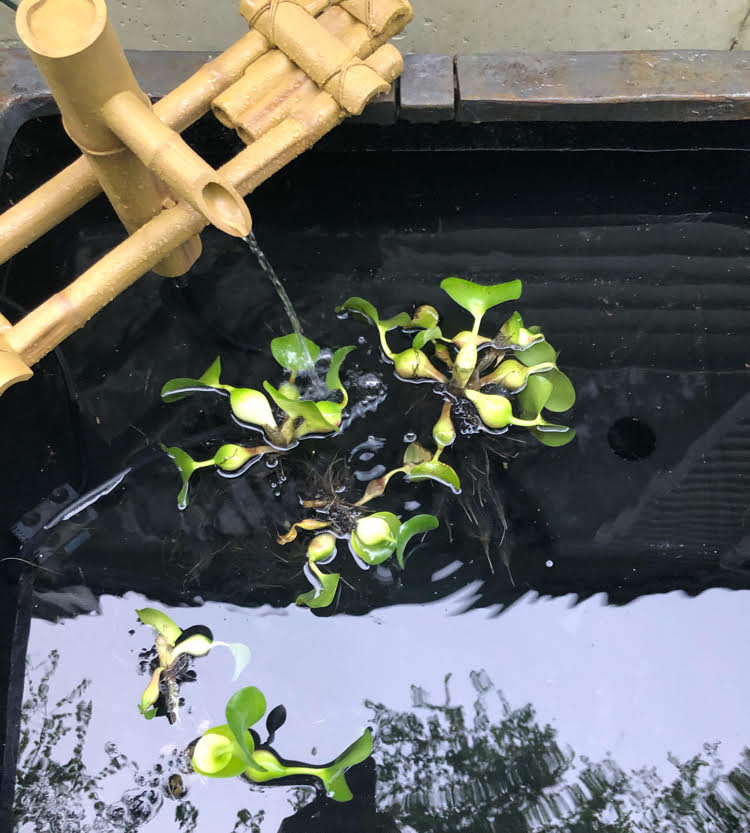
(411, 505)
(410, 437)
(549, 563)
(272, 462)
(361, 340)
(368, 381)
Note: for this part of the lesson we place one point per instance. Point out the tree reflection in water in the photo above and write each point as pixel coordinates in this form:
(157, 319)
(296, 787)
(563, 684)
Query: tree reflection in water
(439, 770)
(435, 770)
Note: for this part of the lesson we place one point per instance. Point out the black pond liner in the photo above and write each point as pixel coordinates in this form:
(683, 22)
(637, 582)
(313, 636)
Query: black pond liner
(606, 196)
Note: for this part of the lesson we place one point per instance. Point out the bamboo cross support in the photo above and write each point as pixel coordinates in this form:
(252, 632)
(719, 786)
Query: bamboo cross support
(282, 86)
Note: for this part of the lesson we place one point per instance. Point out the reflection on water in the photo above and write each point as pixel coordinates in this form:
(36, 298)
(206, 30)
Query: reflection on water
(548, 720)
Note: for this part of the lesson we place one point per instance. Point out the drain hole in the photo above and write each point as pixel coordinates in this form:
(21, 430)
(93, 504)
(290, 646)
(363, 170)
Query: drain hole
(631, 439)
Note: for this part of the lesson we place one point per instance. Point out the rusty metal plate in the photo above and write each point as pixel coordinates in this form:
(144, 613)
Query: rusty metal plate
(604, 86)
(427, 88)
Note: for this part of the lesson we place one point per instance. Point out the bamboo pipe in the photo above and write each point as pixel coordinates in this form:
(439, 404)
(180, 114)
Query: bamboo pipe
(274, 73)
(165, 153)
(272, 110)
(274, 107)
(77, 51)
(67, 192)
(385, 15)
(12, 368)
(46, 326)
(277, 93)
(263, 74)
(328, 61)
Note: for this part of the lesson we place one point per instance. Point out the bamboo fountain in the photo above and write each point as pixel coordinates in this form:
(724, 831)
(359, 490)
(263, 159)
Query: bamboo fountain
(301, 69)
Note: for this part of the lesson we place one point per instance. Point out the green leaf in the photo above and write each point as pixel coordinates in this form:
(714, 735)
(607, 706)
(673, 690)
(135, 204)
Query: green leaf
(435, 470)
(535, 395)
(477, 298)
(150, 695)
(414, 526)
(218, 755)
(416, 453)
(333, 380)
(333, 776)
(180, 388)
(361, 306)
(320, 596)
(563, 395)
(368, 310)
(212, 376)
(186, 466)
(515, 336)
(160, 622)
(562, 434)
(331, 411)
(537, 353)
(313, 420)
(176, 389)
(426, 336)
(244, 709)
(250, 406)
(289, 352)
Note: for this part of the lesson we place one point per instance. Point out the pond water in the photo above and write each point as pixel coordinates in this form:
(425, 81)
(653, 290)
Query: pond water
(566, 651)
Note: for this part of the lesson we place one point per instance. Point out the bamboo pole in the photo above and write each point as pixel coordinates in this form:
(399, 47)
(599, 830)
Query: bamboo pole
(45, 327)
(75, 47)
(165, 153)
(266, 95)
(67, 192)
(322, 56)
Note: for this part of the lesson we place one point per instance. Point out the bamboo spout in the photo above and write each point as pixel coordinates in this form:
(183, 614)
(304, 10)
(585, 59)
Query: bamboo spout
(299, 96)
(166, 154)
(77, 51)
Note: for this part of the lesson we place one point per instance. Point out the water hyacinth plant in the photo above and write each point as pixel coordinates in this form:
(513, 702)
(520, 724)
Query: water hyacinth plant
(282, 415)
(234, 749)
(174, 649)
(372, 537)
(516, 364)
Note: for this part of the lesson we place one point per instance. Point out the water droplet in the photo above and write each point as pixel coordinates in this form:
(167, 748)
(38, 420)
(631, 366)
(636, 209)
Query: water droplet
(549, 563)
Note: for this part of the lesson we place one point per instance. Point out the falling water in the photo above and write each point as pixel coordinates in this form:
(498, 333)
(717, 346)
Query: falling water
(291, 314)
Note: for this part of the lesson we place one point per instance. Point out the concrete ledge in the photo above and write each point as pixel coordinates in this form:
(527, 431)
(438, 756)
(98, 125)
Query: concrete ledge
(604, 86)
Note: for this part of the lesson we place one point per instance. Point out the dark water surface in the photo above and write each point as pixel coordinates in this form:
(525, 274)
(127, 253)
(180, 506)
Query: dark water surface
(588, 670)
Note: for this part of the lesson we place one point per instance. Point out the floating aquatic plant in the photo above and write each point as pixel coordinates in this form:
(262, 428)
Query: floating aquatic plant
(487, 371)
(174, 648)
(234, 749)
(372, 537)
(294, 418)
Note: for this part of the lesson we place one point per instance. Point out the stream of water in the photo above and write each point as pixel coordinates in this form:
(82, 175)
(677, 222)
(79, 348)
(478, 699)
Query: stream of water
(269, 271)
